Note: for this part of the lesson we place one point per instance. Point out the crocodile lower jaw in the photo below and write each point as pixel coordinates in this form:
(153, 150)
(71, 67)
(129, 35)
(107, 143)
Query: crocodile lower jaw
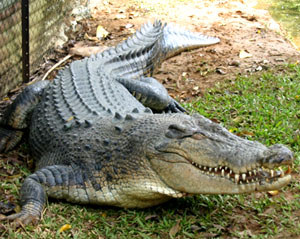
(257, 176)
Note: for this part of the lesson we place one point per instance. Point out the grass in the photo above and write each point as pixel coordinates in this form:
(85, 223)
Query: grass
(264, 108)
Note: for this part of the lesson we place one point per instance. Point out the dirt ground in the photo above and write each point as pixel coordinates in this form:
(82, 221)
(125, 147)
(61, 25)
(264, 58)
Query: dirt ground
(240, 28)
(250, 40)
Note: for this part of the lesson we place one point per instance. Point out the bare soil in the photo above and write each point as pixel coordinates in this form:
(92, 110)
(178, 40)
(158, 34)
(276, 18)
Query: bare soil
(186, 76)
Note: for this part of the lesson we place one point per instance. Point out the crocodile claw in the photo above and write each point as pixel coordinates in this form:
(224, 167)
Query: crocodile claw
(21, 218)
(174, 107)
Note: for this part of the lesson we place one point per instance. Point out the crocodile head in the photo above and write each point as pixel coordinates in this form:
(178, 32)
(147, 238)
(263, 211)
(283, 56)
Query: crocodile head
(194, 155)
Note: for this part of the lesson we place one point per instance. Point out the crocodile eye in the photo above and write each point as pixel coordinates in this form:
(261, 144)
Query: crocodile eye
(177, 131)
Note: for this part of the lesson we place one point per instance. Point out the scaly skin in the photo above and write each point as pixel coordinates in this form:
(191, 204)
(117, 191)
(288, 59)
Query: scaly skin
(95, 141)
(145, 159)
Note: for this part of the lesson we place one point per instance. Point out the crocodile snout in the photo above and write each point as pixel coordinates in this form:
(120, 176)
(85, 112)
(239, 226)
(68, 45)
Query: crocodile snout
(277, 155)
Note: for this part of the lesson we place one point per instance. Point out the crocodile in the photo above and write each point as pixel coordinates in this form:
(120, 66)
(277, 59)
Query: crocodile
(105, 132)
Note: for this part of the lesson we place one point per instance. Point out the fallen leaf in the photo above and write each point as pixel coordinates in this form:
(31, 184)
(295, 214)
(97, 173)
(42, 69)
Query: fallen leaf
(243, 54)
(175, 229)
(120, 16)
(14, 176)
(128, 25)
(101, 32)
(80, 49)
(71, 118)
(150, 217)
(133, 14)
(245, 133)
(17, 209)
(64, 228)
(86, 36)
(273, 193)
(237, 120)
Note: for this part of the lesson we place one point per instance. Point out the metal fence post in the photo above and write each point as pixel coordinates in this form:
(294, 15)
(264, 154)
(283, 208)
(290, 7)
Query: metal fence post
(25, 40)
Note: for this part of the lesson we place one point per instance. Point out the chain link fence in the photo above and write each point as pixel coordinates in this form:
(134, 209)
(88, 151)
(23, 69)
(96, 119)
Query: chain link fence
(46, 20)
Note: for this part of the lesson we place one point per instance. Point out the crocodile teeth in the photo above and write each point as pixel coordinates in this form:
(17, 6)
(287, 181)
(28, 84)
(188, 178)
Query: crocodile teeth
(210, 169)
(230, 172)
(237, 178)
(244, 176)
(250, 173)
(228, 175)
(272, 173)
(216, 169)
(223, 172)
(254, 171)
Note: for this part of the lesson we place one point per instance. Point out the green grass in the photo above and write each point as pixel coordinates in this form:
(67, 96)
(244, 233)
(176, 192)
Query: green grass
(264, 108)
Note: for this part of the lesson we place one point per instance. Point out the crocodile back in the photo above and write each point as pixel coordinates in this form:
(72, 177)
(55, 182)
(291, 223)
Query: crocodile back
(81, 94)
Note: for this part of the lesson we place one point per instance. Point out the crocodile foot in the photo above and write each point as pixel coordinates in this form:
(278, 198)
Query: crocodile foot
(21, 218)
(174, 107)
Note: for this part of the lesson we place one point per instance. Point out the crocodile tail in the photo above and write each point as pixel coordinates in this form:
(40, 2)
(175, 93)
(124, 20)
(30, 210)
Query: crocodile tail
(177, 39)
(146, 36)
(138, 55)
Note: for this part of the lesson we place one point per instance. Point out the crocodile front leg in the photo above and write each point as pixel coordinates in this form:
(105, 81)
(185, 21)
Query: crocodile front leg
(37, 186)
(151, 94)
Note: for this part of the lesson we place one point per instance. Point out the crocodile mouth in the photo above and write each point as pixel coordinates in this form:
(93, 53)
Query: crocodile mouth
(257, 175)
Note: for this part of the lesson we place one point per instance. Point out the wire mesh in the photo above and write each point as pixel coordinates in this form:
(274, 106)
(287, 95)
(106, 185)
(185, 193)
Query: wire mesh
(45, 20)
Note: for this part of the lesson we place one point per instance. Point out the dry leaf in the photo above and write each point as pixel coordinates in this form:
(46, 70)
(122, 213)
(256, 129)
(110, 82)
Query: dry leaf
(245, 133)
(238, 119)
(17, 209)
(86, 36)
(175, 229)
(71, 118)
(273, 193)
(64, 228)
(120, 16)
(128, 25)
(133, 14)
(243, 54)
(101, 32)
(82, 50)
(151, 217)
